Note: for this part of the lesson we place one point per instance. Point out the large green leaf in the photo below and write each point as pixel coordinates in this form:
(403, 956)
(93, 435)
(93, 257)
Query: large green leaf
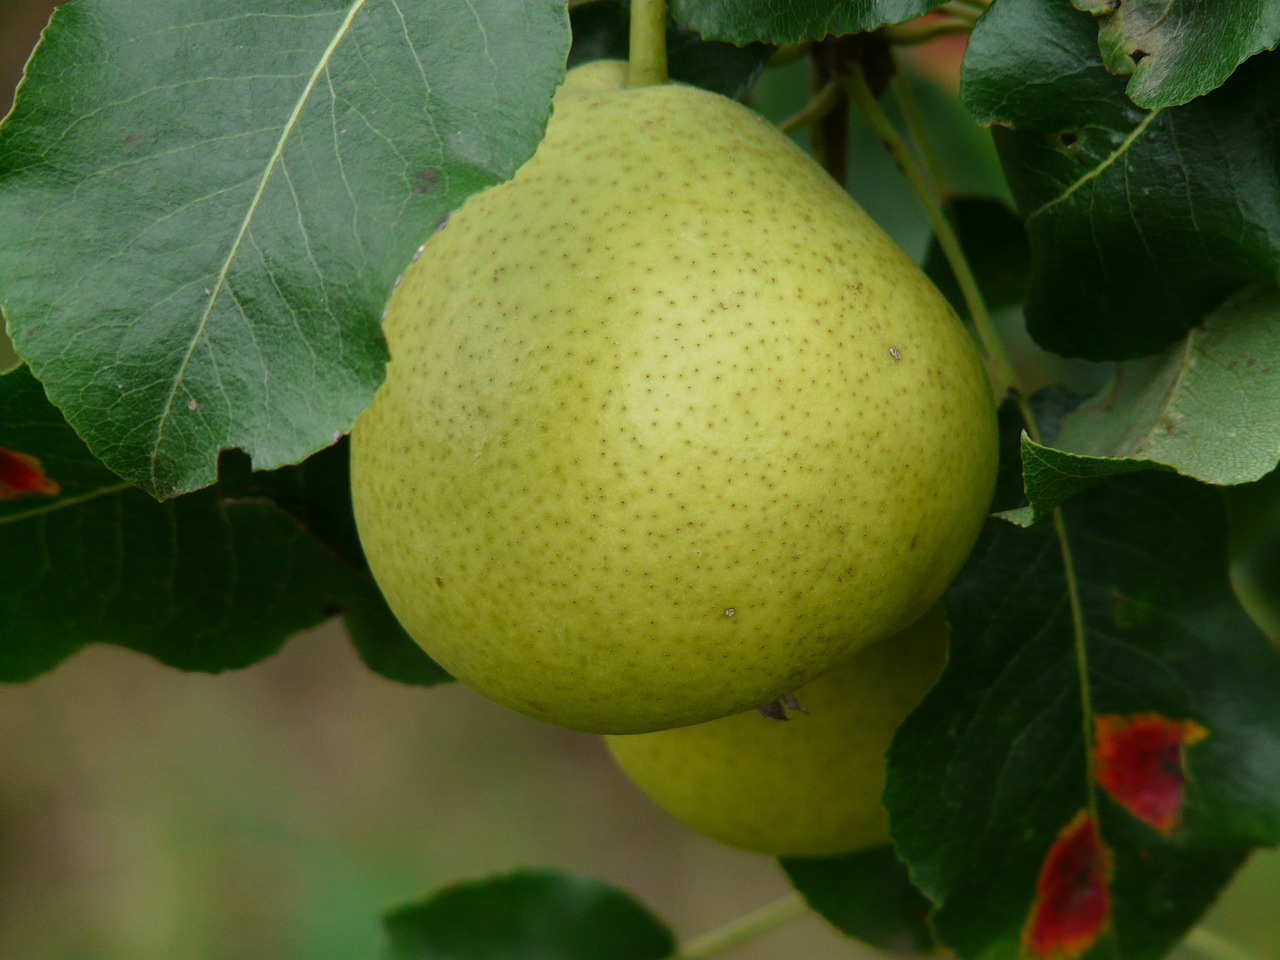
(530, 915)
(1177, 50)
(1106, 782)
(1208, 407)
(744, 21)
(210, 581)
(205, 205)
(1140, 222)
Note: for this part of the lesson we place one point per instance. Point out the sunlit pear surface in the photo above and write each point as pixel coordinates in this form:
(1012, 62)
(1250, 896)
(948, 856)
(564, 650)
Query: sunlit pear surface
(669, 424)
(806, 786)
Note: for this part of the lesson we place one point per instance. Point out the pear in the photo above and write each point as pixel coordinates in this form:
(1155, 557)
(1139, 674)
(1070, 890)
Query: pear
(808, 786)
(669, 424)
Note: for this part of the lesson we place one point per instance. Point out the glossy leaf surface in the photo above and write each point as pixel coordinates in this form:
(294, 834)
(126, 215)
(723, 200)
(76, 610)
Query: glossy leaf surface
(205, 205)
(1177, 50)
(1140, 222)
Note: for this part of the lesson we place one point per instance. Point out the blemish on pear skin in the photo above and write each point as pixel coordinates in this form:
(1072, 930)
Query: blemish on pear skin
(895, 353)
(777, 709)
(1072, 908)
(23, 475)
(1140, 761)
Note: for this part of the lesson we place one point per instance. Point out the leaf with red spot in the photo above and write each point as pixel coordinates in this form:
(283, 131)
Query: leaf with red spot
(1007, 748)
(22, 475)
(1073, 896)
(1139, 761)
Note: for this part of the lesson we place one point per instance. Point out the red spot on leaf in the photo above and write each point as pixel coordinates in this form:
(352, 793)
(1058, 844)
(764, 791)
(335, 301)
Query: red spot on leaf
(1140, 763)
(1073, 899)
(21, 475)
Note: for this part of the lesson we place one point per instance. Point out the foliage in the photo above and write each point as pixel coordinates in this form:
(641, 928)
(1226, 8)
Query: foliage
(205, 206)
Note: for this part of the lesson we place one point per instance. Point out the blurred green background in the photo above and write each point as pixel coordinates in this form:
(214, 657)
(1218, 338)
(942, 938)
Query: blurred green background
(276, 812)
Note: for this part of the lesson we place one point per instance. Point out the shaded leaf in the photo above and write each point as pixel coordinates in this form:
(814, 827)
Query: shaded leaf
(383, 645)
(318, 493)
(1255, 550)
(995, 244)
(530, 915)
(867, 895)
(211, 581)
(1177, 50)
(994, 768)
(1140, 222)
(744, 21)
(240, 182)
(602, 30)
(1208, 408)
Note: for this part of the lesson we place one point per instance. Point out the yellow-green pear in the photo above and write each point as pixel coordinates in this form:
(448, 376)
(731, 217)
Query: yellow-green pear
(669, 424)
(809, 785)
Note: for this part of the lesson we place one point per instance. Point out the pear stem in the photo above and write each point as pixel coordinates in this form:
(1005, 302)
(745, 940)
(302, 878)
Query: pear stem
(647, 66)
(744, 928)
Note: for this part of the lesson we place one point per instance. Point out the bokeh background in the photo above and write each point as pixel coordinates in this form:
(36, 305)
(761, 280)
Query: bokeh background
(274, 813)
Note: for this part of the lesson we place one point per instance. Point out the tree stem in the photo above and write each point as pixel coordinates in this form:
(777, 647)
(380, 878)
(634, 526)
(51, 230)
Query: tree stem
(744, 928)
(647, 66)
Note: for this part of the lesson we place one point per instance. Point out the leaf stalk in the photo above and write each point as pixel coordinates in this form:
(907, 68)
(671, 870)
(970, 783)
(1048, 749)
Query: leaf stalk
(999, 365)
(817, 108)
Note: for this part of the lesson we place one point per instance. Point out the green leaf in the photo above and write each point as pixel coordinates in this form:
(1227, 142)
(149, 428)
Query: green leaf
(1207, 408)
(994, 769)
(530, 915)
(867, 895)
(9, 359)
(1051, 477)
(211, 581)
(744, 21)
(1177, 50)
(1140, 222)
(205, 205)
(602, 30)
(995, 244)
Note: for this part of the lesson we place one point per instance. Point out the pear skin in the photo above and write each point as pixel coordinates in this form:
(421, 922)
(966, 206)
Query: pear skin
(669, 424)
